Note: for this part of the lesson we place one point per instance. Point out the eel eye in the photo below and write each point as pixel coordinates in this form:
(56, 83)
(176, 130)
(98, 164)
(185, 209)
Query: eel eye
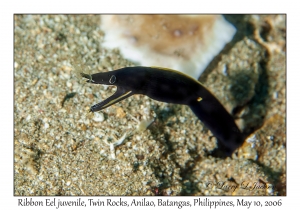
(112, 79)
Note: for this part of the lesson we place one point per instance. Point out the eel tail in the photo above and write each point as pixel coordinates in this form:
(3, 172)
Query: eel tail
(215, 117)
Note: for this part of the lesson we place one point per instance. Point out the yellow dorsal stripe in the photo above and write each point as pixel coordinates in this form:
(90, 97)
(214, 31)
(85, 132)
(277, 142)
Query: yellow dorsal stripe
(179, 72)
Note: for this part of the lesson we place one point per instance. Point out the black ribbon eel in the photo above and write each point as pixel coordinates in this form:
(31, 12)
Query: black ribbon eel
(171, 86)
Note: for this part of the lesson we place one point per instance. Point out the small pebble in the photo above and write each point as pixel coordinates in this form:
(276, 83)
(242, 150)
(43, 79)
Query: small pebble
(98, 117)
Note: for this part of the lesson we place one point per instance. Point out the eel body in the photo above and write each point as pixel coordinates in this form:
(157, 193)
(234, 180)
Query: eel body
(171, 86)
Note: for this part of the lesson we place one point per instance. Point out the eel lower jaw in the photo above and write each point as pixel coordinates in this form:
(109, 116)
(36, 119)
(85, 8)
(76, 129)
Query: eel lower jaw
(119, 95)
